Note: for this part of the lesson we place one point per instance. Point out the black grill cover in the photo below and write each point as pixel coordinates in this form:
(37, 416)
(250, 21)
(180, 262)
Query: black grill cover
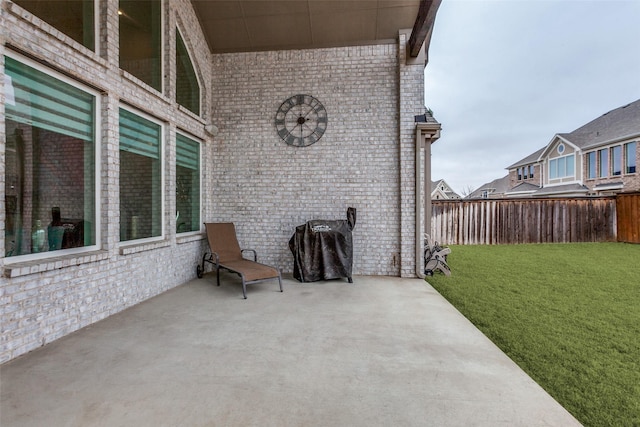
(323, 250)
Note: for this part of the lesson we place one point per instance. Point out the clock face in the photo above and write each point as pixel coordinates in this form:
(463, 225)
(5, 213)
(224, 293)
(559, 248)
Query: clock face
(301, 120)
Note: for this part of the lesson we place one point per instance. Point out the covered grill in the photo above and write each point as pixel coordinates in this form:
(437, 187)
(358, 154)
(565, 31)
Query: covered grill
(323, 249)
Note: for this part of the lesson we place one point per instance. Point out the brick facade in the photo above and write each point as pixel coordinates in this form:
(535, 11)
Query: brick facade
(631, 182)
(268, 187)
(536, 180)
(249, 175)
(41, 301)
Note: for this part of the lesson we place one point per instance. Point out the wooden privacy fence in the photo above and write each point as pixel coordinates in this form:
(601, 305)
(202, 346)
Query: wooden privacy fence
(628, 210)
(506, 221)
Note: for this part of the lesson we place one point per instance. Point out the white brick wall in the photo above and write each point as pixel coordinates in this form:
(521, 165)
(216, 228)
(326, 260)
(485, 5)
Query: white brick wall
(44, 300)
(267, 187)
(250, 176)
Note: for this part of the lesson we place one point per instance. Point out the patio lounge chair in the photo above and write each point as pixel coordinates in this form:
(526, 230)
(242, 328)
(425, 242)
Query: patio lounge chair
(226, 254)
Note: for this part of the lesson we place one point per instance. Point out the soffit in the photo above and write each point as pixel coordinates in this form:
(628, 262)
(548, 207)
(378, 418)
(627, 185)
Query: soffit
(258, 25)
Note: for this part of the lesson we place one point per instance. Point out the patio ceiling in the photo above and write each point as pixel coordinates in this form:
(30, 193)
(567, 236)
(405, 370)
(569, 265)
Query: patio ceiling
(258, 25)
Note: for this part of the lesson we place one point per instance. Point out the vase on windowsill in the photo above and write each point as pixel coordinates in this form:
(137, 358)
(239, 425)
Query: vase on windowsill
(37, 238)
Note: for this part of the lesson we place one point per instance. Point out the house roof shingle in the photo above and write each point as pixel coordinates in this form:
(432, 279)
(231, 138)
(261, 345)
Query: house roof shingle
(531, 158)
(523, 187)
(563, 189)
(497, 186)
(620, 123)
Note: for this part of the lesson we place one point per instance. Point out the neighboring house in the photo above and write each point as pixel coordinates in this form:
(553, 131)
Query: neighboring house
(599, 158)
(495, 189)
(441, 190)
(126, 125)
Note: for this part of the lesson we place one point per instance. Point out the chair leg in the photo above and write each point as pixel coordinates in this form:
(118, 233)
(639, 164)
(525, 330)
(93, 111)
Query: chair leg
(244, 288)
(218, 274)
(280, 282)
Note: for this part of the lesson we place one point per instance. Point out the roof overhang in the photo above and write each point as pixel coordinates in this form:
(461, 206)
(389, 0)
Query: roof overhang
(261, 25)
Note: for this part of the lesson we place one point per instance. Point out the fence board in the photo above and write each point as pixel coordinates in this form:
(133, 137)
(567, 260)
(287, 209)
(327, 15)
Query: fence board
(509, 221)
(628, 208)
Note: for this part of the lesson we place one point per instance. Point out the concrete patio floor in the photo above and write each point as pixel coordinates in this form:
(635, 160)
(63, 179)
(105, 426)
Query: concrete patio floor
(380, 352)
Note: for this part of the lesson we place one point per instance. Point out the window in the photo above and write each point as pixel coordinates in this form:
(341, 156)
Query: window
(630, 157)
(51, 158)
(531, 171)
(519, 174)
(187, 87)
(187, 184)
(140, 177)
(603, 158)
(75, 18)
(561, 167)
(141, 41)
(616, 160)
(591, 165)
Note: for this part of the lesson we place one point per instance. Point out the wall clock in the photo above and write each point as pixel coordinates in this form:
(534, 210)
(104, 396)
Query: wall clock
(301, 120)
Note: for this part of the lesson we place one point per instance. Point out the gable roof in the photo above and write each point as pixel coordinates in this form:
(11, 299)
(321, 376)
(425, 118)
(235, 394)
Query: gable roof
(620, 123)
(497, 186)
(523, 188)
(449, 193)
(531, 158)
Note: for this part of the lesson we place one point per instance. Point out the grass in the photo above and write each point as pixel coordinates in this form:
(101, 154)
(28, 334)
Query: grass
(567, 314)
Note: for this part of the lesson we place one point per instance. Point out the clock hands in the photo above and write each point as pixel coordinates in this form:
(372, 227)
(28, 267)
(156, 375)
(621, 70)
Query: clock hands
(301, 120)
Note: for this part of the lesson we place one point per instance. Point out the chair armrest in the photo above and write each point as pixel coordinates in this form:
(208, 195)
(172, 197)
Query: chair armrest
(255, 255)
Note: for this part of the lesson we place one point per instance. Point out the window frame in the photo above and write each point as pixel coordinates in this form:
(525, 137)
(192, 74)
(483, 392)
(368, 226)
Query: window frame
(592, 161)
(96, 26)
(161, 166)
(603, 165)
(195, 73)
(555, 165)
(199, 222)
(161, 42)
(616, 160)
(97, 131)
(628, 155)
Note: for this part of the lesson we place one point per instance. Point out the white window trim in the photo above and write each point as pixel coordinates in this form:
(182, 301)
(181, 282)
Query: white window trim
(96, 26)
(625, 159)
(136, 79)
(564, 177)
(200, 229)
(595, 165)
(163, 133)
(97, 167)
(195, 70)
(612, 161)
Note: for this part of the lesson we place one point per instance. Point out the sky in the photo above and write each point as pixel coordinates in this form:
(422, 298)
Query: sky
(504, 76)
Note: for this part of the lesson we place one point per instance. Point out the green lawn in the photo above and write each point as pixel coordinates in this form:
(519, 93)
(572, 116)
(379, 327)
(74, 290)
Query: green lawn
(568, 314)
